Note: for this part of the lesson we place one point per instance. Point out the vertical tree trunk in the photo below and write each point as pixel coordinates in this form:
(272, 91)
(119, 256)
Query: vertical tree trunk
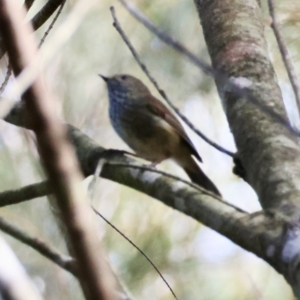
(268, 150)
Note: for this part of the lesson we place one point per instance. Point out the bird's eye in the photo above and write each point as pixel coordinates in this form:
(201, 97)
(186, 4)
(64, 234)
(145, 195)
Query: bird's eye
(124, 77)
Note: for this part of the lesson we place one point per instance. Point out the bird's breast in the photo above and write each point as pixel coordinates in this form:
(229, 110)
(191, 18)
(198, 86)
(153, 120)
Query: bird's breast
(148, 135)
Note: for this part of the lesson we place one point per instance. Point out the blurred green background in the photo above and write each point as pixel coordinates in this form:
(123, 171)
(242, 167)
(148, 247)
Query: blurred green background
(197, 262)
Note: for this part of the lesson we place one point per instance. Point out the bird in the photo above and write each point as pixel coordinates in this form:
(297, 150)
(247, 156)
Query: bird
(149, 128)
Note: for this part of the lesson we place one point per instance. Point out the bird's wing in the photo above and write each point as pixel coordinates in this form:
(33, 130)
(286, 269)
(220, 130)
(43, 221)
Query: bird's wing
(159, 109)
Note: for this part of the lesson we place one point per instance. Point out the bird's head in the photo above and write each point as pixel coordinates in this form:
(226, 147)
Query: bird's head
(125, 88)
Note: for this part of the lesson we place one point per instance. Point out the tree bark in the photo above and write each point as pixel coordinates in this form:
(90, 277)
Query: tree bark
(269, 152)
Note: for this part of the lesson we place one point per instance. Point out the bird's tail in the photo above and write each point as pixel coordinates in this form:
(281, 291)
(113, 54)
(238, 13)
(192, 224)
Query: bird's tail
(196, 174)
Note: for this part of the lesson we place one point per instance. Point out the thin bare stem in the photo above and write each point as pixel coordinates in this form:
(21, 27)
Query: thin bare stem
(58, 157)
(52, 24)
(233, 85)
(28, 5)
(285, 55)
(39, 19)
(137, 248)
(65, 262)
(161, 92)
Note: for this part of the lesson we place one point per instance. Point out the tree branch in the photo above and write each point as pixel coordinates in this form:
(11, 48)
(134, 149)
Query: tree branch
(261, 233)
(199, 204)
(234, 85)
(26, 193)
(161, 92)
(65, 262)
(39, 19)
(268, 151)
(58, 158)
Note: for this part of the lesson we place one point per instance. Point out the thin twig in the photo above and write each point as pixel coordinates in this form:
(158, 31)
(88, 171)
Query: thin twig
(39, 19)
(137, 248)
(52, 24)
(64, 261)
(28, 5)
(138, 15)
(58, 158)
(161, 92)
(285, 55)
(231, 84)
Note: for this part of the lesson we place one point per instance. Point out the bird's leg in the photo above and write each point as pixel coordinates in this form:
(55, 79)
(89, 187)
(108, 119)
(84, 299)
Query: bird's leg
(156, 162)
(130, 153)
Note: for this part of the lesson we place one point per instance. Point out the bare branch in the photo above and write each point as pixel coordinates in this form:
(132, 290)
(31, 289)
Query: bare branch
(252, 232)
(43, 188)
(193, 201)
(161, 92)
(138, 249)
(58, 158)
(236, 86)
(26, 193)
(39, 19)
(285, 55)
(28, 4)
(14, 282)
(52, 24)
(65, 262)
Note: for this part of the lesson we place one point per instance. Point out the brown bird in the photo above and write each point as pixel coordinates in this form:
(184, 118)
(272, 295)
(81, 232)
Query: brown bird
(149, 128)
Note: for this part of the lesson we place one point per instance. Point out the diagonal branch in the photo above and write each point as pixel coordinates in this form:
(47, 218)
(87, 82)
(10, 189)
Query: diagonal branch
(253, 232)
(240, 86)
(65, 262)
(58, 158)
(161, 92)
(26, 193)
(268, 117)
(200, 205)
(39, 19)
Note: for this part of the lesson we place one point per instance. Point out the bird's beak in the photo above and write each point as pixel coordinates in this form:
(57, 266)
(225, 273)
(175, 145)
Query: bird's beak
(104, 78)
